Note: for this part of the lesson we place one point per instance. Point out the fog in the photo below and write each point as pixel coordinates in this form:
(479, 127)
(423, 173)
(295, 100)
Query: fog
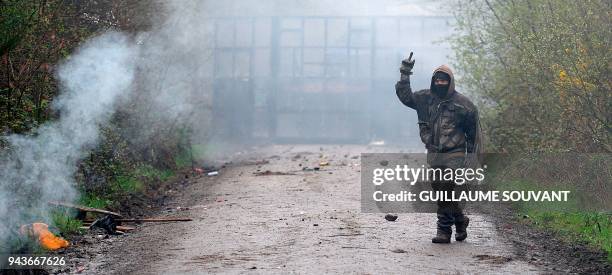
(237, 73)
(318, 71)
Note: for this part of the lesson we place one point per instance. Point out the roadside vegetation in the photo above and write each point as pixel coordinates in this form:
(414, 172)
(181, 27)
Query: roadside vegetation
(541, 73)
(582, 221)
(123, 171)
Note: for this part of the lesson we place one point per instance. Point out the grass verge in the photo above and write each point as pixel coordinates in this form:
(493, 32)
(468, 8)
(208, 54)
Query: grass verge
(565, 218)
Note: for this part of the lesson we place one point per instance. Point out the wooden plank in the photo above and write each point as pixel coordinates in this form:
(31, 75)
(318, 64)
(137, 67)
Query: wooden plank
(149, 220)
(119, 227)
(155, 220)
(84, 208)
(125, 228)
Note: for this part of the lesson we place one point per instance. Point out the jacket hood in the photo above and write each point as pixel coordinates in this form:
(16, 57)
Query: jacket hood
(451, 85)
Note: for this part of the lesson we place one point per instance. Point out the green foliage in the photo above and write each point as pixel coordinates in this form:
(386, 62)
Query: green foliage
(586, 176)
(150, 173)
(135, 180)
(579, 218)
(65, 223)
(592, 228)
(127, 184)
(94, 201)
(183, 159)
(124, 181)
(541, 71)
(118, 168)
(17, 20)
(565, 218)
(133, 156)
(33, 35)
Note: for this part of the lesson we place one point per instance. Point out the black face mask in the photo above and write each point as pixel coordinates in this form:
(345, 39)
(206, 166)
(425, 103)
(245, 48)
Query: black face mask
(440, 90)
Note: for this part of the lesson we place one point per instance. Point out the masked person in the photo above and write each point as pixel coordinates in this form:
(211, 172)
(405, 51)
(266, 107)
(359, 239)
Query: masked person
(449, 127)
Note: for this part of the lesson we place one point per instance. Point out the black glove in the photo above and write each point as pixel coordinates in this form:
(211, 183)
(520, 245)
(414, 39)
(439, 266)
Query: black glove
(406, 68)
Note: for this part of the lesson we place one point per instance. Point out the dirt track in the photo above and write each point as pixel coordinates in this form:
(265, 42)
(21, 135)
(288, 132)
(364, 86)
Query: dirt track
(305, 222)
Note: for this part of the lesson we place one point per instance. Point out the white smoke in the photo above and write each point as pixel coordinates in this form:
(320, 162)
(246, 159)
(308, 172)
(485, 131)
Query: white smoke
(40, 168)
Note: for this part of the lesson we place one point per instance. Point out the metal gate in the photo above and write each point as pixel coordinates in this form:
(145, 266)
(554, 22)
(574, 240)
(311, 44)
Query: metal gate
(315, 79)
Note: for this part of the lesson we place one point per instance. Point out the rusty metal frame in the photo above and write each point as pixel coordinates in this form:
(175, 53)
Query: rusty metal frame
(297, 72)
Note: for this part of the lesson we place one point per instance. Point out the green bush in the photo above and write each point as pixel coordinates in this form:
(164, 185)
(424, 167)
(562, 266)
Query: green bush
(66, 223)
(94, 201)
(150, 173)
(540, 70)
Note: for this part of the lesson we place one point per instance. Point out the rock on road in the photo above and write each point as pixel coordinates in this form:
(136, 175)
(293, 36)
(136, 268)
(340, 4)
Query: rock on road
(303, 222)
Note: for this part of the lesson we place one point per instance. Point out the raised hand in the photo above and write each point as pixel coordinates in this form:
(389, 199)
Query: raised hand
(406, 68)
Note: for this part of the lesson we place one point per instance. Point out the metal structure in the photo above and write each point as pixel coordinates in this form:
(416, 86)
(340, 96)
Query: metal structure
(316, 79)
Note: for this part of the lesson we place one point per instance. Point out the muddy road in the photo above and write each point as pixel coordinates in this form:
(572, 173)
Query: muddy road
(290, 220)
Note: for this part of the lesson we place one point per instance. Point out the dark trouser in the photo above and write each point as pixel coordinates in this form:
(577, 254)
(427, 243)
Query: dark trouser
(449, 212)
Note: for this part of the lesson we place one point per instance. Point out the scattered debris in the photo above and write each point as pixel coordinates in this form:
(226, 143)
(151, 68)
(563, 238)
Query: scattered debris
(46, 238)
(125, 228)
(391, 217)
(345, 235)
(270, 173)
(107, 223)
(211, 168)
(156, 220)
(213, 173)
(120, 228)
(324, 163)
(493, 259)
(152, 220)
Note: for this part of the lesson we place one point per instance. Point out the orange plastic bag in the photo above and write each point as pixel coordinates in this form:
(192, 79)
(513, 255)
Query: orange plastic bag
(46, 239)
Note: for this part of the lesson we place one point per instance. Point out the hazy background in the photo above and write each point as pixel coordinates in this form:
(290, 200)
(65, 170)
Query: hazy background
(316, 71)
(225, 75)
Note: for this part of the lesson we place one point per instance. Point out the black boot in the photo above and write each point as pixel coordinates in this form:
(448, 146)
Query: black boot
(461, 229)
(441, 237)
